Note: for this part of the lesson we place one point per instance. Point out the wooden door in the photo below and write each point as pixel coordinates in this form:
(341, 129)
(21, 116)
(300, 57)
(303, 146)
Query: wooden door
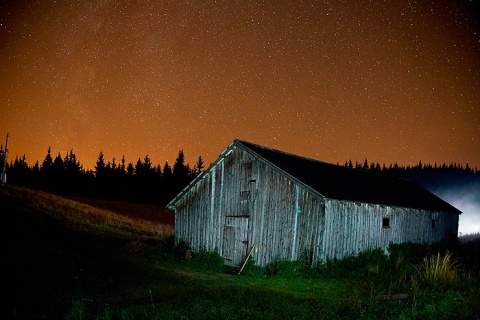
(235, 240)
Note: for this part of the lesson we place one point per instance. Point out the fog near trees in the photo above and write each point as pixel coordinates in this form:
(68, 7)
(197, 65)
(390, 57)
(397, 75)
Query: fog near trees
(457, 184)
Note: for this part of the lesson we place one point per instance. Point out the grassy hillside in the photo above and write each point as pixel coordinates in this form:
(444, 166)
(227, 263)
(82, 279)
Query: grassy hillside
(66, 259)
(105, 217)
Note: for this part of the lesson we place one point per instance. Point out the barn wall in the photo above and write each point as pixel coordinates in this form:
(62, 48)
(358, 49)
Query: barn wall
(196, 217)
(287, 219)
(352, 227)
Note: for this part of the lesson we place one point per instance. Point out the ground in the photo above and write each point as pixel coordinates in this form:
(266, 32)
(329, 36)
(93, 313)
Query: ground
(155, 213)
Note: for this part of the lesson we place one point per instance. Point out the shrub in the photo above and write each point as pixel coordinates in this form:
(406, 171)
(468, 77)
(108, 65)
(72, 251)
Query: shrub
(207, 262)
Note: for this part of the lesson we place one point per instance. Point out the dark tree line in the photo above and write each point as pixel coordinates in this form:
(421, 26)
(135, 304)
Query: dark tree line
(141, 181)
(427, 175)
(145, 182)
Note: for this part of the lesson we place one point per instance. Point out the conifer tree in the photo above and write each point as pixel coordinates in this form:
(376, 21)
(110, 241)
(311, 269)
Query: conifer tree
(58, 164)
(47, 162)
(199, 166)
(100, 166)
(122, 167)
(130, 169)
(139, 168)
(365, 164)
(167, 170)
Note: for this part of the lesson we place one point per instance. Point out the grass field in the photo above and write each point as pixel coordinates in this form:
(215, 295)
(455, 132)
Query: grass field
(74, 259)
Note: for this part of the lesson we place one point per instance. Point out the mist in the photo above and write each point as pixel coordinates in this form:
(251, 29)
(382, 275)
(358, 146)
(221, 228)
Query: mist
(465, 198)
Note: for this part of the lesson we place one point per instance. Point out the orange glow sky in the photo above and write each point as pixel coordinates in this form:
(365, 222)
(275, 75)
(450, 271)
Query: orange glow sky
(394, 81)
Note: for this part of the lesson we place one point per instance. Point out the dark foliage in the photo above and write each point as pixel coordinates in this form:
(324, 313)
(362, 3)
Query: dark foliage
(427, 175)
(140, 182)
(144, 182)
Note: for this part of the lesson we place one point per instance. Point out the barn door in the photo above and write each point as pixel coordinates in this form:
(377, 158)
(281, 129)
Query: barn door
(235, 240)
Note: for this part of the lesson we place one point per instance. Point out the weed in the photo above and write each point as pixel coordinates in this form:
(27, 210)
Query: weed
(78, 312)
(438, 270)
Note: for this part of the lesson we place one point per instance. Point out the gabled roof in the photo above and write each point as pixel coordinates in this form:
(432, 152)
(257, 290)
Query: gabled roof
(338, 182)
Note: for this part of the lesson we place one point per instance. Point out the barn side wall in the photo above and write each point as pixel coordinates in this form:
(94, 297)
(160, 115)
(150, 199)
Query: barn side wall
(351, 228)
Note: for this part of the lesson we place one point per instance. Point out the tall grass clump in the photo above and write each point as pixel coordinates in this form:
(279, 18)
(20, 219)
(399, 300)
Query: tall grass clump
(438, 270)
(78, 312)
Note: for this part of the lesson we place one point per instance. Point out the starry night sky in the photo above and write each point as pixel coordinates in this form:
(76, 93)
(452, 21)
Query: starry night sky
(394, 81)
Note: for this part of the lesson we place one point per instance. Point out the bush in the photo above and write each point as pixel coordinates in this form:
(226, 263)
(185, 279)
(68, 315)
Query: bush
(207, 262)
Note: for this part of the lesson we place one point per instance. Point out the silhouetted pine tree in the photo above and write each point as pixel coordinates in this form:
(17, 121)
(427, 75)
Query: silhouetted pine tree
(100, 165)
(181, 172)
(46, 170)
(198, 167)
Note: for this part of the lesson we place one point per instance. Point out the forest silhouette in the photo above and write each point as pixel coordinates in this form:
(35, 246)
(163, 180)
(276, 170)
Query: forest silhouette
(144, 182)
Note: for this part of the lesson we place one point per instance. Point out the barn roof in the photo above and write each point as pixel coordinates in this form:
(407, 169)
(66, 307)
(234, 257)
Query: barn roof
(338, 182)
(342, 183)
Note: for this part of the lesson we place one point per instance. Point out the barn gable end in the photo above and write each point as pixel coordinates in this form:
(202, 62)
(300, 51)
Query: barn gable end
(282, 204)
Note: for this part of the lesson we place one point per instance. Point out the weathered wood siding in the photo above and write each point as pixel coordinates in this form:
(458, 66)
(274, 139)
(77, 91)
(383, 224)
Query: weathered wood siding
(352, 227)
(243, 201)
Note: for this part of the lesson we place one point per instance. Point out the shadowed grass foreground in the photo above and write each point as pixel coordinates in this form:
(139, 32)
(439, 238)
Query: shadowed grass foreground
(63, 262)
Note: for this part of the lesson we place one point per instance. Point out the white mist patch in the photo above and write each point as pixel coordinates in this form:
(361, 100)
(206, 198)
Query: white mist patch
(466, 199)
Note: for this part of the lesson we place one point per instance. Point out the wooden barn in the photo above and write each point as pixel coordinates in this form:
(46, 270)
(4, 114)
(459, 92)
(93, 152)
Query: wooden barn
(288, 207)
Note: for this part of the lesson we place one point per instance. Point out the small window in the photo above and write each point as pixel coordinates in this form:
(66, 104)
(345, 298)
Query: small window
(433, 223)
(386, 223)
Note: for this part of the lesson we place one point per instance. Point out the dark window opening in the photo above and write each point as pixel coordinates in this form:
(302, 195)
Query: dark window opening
(433, 223)
(386, 223)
